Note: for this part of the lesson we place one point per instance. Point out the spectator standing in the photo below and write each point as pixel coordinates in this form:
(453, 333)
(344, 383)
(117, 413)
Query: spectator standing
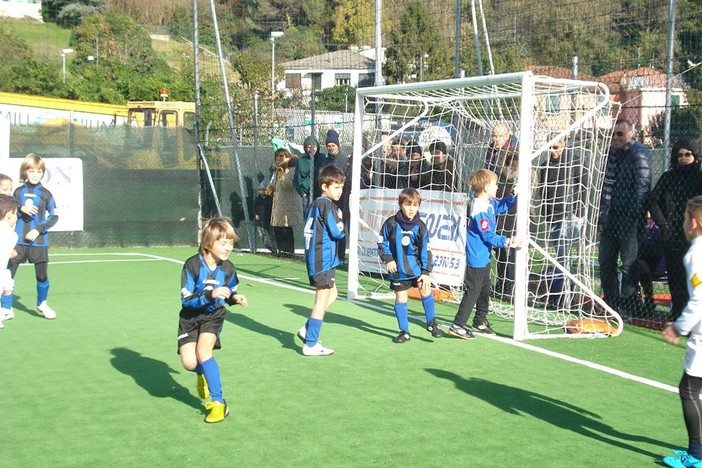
(563, 182)
(625, 192)
(667, 206)
(502, 141)
(286, 211)
(439, 171)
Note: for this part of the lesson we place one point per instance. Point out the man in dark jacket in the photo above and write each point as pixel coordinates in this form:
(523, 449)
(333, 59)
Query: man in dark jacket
(625, 191)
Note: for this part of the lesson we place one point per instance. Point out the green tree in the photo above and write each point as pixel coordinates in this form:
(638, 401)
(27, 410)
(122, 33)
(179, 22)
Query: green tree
(353, 22)
(70, 12)
(254, 70)
(338, 98)
(417, 51)
(22, 72)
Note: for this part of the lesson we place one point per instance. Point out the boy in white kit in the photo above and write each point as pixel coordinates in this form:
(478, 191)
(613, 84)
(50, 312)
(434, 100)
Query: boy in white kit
(689, 324)
(8, 241)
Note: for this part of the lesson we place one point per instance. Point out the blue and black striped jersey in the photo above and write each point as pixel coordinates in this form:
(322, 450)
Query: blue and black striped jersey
(408, 244)
(197, 282)
(323, 230)
(46, 217)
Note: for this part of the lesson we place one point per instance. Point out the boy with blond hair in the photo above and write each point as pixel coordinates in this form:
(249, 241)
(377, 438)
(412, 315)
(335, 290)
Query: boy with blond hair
(689, 324)
(481, 239)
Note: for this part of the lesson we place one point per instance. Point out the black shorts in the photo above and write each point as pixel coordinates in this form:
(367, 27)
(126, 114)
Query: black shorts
(192, 323)
(403, 285)
(31, 253)
(324, 280)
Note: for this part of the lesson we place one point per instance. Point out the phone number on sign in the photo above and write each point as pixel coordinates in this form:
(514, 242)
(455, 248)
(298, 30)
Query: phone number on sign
(443, 261)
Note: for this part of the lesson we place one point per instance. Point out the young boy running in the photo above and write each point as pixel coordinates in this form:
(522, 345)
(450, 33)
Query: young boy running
(689, 324)
(324, 230)
(481, 239)
(208, 282)
(405, 250)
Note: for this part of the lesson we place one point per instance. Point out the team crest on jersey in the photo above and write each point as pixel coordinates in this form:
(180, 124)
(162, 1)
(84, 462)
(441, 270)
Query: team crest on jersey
(695, 280)
(484, 225)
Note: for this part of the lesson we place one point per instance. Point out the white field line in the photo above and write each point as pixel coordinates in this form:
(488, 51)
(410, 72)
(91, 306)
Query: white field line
(386, 310)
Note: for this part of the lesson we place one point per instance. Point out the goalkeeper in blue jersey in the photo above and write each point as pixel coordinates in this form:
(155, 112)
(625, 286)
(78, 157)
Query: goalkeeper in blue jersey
(208, 283)
(481, 239)
(324, 231)
(36, 215)
(404, 247)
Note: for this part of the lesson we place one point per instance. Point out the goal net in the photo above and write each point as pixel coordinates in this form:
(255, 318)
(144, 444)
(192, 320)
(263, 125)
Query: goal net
(546, 138)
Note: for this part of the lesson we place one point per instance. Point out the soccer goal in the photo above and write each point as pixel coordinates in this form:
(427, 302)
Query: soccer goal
(549, 285)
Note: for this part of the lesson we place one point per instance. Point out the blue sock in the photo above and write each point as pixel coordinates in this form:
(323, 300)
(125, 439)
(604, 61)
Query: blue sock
(429, 307)
(42, 291)
(210, 370)
(6, 301)
(313, 328)
(401, 314)
(198, 369)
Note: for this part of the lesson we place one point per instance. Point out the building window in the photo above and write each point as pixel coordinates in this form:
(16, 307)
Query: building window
(293, 81)
(316, 80)
(366, 79)
(553, 105)
(342, 79)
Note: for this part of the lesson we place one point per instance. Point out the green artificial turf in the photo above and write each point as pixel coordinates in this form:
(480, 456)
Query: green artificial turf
(102, 384)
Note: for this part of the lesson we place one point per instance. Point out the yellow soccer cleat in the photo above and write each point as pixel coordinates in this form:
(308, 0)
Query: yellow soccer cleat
(202, 389)
(218, 411)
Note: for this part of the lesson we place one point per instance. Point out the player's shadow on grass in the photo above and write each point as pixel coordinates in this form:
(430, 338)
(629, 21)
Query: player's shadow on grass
(345, 320)
(18, 305)
(563, 415)
(153, 375)
(286, 339)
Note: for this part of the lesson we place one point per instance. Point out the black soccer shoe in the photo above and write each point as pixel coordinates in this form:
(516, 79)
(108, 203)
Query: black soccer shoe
(402, 337)
(433, 328)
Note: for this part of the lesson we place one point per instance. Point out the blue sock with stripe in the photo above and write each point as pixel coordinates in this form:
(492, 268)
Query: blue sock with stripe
(6, 301)
(313, 328)
(401, 315)
(210, 369)
(429, 307)
(42, 290)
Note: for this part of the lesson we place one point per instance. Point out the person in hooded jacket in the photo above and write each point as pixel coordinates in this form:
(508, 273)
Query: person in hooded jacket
(667, 206)
(302, 181)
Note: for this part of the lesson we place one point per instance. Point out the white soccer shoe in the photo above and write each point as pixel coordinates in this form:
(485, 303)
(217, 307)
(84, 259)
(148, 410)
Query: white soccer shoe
(317, 350)
(46, 311)
(6, 314)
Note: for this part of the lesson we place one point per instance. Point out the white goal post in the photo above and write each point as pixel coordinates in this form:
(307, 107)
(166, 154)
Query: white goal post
(548, 286)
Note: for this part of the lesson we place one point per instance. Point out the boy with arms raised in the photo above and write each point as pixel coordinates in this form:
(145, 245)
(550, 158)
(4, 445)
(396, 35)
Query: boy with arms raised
(404, 248)
(324, 231)
(480, 241)
(689, 324)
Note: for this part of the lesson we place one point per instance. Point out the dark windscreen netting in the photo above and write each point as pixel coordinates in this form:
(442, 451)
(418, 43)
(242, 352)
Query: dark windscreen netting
(140, 185)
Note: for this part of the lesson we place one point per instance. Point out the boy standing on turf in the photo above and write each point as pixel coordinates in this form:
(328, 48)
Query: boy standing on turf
(36, 215)
(481, 239)
(208, 282)
(404, 248)
(690, 324)
(324, 230)
(8, 240)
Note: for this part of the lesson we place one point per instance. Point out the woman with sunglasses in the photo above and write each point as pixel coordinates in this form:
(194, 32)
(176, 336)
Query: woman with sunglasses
(667, 206)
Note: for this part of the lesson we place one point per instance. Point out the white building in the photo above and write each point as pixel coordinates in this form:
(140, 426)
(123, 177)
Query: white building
(343, 67)
(21, 9)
